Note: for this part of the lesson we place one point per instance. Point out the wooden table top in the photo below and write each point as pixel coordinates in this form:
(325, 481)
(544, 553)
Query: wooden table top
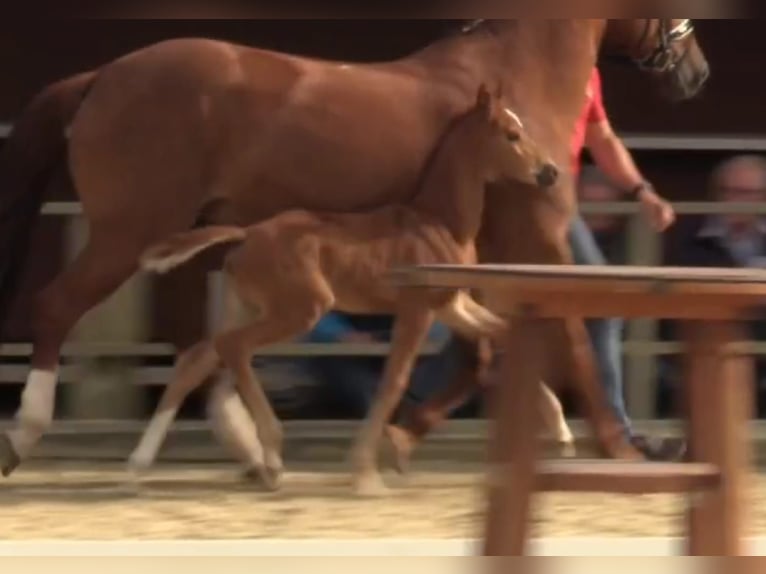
(602, 291)
(589, 272)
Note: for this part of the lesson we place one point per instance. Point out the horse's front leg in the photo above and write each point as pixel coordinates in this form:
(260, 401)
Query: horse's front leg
(413, 320)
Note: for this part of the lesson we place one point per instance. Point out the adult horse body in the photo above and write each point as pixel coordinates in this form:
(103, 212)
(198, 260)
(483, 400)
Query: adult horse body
(197, 130)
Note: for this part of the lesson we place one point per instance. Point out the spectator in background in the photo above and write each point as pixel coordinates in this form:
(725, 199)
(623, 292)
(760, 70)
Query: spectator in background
(348, 384)
(737, 240)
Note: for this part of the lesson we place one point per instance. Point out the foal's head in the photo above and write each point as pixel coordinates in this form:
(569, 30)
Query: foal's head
(512, 155)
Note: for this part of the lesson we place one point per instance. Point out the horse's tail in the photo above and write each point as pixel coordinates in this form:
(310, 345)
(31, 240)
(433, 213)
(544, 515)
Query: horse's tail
(32, 152)
(180, 248)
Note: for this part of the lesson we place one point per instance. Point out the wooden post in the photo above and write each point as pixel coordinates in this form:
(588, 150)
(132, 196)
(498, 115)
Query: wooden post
(514, 444)
(644, 248)
(108, 391)
(719, 401)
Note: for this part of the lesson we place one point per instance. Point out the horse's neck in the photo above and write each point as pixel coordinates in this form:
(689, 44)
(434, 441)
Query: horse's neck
(452, 190)
(542, 64)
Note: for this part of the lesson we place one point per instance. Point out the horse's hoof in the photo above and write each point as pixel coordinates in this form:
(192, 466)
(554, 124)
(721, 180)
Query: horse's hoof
(9, 459)
(369, 485)
(402, 445)
(270, 478)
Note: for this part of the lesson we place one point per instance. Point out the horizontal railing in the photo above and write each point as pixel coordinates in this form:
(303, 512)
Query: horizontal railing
(160, 350)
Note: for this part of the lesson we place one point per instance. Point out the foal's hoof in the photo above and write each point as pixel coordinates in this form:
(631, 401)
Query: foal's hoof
(369, 485)
(402, 445)
(626, 452)
(269, 478)
(138, 467)
(567, 450)
(9, 459)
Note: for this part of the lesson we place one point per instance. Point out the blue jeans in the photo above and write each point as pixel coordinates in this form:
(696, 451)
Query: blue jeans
(351, 383)
(605, 334)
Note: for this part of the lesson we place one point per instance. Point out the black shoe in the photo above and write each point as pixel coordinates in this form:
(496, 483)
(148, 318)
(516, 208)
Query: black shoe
(660, 449)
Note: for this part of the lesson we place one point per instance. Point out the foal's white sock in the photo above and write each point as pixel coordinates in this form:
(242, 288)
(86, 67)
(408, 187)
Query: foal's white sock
(234, 426)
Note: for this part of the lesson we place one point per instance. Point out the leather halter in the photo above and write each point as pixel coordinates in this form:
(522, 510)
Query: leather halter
(664, 58)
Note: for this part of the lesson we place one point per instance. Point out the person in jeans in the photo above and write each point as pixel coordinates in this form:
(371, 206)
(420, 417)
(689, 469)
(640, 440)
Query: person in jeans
(612, 158)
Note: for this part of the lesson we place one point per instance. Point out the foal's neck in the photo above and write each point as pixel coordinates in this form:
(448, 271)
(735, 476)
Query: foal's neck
(452, 190)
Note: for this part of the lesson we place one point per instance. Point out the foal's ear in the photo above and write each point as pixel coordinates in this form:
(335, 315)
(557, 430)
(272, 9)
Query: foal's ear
(484, 99)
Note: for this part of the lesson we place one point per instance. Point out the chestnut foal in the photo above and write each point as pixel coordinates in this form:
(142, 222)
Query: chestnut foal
(299, 265)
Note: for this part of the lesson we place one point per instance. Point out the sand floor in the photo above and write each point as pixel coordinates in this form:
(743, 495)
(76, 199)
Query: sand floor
(97, 502)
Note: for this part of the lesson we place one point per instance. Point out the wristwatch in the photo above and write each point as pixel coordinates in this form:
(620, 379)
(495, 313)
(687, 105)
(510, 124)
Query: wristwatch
(643, 186)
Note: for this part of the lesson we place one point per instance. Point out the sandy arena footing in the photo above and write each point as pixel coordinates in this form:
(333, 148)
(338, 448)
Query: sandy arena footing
(96, 501)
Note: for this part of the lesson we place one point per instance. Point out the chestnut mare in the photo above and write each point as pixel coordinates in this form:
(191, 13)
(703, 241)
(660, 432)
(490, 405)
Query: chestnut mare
(297, 266)
(195, 130)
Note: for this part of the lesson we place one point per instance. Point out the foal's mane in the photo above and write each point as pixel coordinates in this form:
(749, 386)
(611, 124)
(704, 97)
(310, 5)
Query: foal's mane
(439, 147)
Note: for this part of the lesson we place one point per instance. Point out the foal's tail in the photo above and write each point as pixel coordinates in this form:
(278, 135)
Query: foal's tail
(178, 249)
(33, 151)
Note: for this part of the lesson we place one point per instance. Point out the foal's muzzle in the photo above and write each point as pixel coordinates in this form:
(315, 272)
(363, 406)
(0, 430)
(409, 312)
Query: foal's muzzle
(548, 175)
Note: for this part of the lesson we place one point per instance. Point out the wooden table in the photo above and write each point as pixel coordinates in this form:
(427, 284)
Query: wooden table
(718, 383)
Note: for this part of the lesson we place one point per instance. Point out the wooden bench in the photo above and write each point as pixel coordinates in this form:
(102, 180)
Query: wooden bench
(719, 394)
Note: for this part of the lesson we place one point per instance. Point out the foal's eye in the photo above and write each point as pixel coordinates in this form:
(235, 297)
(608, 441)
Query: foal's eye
(513, 137)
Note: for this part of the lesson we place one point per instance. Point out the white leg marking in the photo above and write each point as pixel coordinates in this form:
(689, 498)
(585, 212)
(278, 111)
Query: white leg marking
(151, 441)
(234, 426)
(553, 414)
(35, 414)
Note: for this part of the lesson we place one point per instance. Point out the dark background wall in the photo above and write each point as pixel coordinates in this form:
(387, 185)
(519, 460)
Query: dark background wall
(36, 52)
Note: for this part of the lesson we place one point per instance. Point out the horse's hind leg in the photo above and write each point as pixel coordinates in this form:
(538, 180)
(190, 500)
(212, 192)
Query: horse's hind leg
(96, 273)
(610, 434)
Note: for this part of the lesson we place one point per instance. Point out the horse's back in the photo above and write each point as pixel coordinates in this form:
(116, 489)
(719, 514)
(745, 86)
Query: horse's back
(188, 119)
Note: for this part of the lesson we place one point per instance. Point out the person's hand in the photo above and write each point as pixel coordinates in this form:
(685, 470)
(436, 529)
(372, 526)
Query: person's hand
(657, 211)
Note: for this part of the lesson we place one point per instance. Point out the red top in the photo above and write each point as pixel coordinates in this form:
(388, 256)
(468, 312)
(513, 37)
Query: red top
(592, 113)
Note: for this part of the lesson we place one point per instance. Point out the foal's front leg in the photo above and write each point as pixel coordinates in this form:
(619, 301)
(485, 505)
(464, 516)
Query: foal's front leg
(413, 320)
(553, 415)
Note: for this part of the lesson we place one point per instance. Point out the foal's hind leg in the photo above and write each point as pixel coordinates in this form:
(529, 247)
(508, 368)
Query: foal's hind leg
(235, 428)
(99, 269)
(193, 368)
(236, 347)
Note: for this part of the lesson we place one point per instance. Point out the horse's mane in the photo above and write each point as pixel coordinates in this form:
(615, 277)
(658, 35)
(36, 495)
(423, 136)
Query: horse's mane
(476, 26)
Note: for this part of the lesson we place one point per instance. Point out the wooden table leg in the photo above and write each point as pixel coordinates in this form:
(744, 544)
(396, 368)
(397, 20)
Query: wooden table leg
(719, 403)
(515, 439)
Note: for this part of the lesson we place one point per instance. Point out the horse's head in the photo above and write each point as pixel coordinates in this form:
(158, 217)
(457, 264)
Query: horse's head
(513, 155)
(666, 48)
